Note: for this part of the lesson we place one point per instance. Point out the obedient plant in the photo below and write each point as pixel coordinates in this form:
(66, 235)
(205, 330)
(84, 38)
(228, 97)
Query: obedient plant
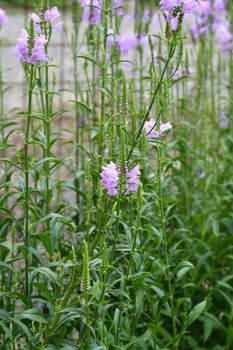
(3, 17)
(110, 177)
(115, 227)
(213, 18)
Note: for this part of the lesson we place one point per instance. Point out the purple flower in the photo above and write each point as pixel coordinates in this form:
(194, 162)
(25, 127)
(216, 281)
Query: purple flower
(132, 179)
(151, 132)
(174, 9)
(57, 26)
(146, 16)
(51, 14)
(92, 15)
(143, 40)
(110, 38)
(223, 121)
(189, 6)
(155, 18)
(110, 178)
(204, 7)
(3, 17)
(224, 37)
(126, 42)
(36, 20)
(118, 4)
(22, 46)
(37, 52)
(156, 57)
(175, 22)
(164, 127)
(219, 5)
(169, 5)
(212, 18)
(202, 175)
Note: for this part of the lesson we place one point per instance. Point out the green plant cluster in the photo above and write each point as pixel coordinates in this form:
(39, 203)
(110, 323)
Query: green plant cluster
(149, 269)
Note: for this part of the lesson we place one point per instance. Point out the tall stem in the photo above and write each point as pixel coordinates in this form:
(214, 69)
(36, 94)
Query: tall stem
(104, 79)
(27, 190)
(157, 89)
(163, 222)
(47, 132)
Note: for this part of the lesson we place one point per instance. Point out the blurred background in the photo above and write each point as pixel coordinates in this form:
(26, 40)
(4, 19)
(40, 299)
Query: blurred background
(60, 50)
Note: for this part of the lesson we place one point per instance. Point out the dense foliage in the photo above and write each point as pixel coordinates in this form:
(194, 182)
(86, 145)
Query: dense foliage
(117, 230)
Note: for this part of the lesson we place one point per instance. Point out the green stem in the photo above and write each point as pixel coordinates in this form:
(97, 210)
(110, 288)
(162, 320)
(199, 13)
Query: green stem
(27, 191)
(47, 131)
(157, 89)
(163, 221)
(104, 80)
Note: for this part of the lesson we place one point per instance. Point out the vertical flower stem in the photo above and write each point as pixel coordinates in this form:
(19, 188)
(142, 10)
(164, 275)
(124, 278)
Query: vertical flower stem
(1, 99)
(74, 47)
(159, 150)
(117, 228)
(104, 79)
(27, 190)
(157, 89)
(47, 131)
(130, 265)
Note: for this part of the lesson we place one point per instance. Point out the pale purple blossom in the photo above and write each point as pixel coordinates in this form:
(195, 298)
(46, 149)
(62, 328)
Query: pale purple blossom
(91, 15)
(126, 43)
(224, 37)
(37, 53)
(155, 18)
(36, 19)
(175, 22)
(202, 175)
(156, 57)
(51, 14)
(174, 9)
(152, 133)
(120, 9)
(132, 179)
(3, 17)
(143, 40)
(110, 38)
(146, 16)
(22, 46)
(57, 26)
(211, 17)
(164, 127)
(110, 178)
(223, 121)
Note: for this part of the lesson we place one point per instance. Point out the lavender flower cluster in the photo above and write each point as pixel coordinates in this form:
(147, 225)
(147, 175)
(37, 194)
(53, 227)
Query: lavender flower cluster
(92, 10)
(211, 17)
(110, 177)
(50, 15)
(176, 9)
(36, 54)
(3, 17)
(151, 131)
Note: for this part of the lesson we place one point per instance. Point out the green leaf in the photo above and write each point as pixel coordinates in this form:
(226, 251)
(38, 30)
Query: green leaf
(193, 316)
(52, 276)
(196, 312)
(34, 315)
